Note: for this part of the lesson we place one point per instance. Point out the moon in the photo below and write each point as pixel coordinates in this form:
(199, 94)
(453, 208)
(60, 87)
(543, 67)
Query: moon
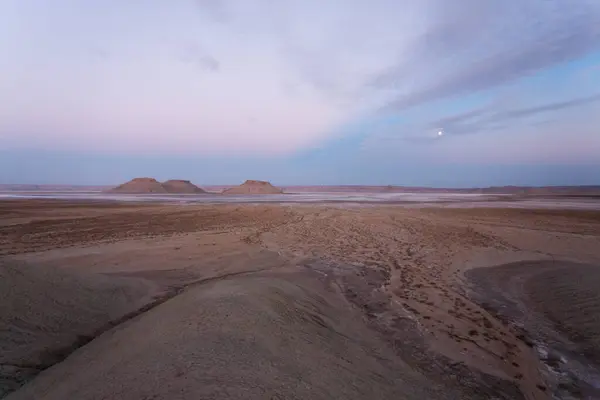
(440, 133)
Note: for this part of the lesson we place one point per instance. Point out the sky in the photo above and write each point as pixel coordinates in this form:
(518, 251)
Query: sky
(407, 92)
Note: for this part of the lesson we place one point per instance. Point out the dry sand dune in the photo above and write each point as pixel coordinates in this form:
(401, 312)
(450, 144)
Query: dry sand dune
(308, 301)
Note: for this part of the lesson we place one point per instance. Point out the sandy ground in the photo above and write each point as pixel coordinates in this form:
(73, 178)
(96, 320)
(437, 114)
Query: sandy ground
(299, 301)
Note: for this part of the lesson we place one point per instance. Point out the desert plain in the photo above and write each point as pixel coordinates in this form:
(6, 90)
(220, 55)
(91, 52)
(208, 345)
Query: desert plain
(108, 300)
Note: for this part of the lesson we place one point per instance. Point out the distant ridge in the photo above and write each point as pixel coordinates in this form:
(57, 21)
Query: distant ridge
(151, 185)
(254, 187)
(582, 190)
(512, 190)
(15, 187)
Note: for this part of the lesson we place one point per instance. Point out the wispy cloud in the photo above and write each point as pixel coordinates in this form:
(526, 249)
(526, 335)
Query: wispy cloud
(214, 9)
(563, 130)
(555, 106)
(195, 55)
(302, 70)
(474, 45)
(489, 118)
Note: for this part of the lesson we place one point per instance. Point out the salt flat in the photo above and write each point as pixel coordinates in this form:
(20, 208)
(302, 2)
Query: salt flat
(268, 198)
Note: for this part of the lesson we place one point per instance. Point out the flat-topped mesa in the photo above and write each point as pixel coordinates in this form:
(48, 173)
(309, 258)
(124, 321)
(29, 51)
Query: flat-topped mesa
(254, 187)
(150, 180)
(151, 185)
(140, 185)
(181, 186)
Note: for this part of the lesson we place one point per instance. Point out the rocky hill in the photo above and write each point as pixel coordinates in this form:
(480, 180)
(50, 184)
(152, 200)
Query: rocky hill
(151, 185)
(181, 186)
(140, 185)
(254, 187)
